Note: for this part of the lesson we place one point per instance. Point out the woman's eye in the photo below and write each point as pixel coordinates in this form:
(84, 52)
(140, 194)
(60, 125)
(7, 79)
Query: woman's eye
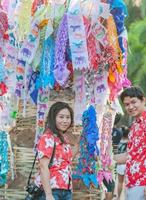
(61, 117)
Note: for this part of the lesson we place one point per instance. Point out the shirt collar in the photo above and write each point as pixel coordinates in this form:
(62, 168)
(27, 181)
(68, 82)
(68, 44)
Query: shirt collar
(141, 117)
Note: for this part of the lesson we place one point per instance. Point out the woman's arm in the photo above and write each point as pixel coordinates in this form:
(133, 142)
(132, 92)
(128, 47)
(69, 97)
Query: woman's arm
(120, 158)
(45, 177)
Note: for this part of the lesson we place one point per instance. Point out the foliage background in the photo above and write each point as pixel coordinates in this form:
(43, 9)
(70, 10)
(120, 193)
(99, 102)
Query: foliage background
(136, 26)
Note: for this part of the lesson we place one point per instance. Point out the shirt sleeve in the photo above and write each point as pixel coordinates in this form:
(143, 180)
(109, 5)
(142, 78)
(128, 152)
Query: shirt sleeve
(45, 146)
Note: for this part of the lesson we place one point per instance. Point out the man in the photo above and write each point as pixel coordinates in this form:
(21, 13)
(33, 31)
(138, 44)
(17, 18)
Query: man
(135, 158)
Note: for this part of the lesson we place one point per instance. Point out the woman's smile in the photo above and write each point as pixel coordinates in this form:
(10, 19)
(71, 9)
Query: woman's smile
(63, 120)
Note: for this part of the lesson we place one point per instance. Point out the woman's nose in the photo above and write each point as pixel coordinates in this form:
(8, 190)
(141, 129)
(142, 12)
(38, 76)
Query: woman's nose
(65, 119)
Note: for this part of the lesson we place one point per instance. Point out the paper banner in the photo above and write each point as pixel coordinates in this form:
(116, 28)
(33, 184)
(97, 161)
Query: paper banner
(42, 109)
(106, 138)
(77, 36)
(80, 98)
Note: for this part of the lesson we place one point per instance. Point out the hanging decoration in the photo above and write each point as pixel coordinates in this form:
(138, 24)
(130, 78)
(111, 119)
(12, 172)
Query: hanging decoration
(3, 26)
(77, 36)
(46, 76)
(86, 167)
(105, 158)
(101, 93)
(53, 45)
(4, 164)
(3, 37)
(42, 107)
(61, 72)
(23, 18)
(80, 97)
(36, 4)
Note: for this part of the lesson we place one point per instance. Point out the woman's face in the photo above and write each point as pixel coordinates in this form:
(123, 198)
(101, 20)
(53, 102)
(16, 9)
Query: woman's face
(63, 120)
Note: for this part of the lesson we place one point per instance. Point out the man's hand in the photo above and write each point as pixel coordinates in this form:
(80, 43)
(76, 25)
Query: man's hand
(120, 158)
(145, 193)
(49, 197)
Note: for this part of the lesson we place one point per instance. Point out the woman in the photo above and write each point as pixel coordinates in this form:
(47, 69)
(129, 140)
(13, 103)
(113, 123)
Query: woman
(56, 180)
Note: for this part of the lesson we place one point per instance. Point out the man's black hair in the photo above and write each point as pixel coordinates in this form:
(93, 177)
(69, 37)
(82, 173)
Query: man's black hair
(133, 91)
(51, 118)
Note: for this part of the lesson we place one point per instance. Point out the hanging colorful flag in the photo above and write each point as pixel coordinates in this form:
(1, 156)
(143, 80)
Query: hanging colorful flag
(77, 36)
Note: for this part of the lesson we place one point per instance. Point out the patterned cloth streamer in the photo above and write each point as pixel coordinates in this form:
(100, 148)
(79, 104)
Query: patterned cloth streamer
(77, 36)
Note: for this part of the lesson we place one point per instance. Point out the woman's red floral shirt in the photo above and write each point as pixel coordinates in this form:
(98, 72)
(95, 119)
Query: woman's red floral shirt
(60, 171)
(136, 163)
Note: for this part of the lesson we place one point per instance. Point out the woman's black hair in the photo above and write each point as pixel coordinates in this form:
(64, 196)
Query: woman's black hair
(51, 118)
(133, 91)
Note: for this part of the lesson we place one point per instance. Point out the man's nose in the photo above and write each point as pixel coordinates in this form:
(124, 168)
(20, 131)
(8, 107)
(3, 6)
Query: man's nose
(130, 106)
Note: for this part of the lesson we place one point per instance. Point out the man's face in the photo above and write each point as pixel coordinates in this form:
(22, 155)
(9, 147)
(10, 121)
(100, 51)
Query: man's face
(134, 106)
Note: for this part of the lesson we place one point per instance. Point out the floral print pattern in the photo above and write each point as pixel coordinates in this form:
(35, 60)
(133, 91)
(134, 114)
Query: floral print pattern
(60, 171)
(136, 163)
